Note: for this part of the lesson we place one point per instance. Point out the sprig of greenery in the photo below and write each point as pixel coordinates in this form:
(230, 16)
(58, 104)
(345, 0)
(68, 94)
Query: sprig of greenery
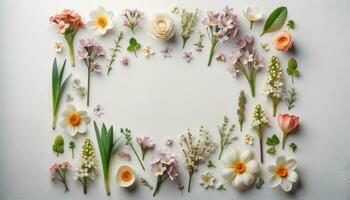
(293, 146)
(290, 24)
(210, 164)
(58, 87)
(292, 69)
(225, 131)
(127, 134)
(106, 144)
(188, 22)
(72, 146)
(115, 51)
(291, 98)
(199, 44)
(242, 101)
(272, 141)
(145, 183)
(58, 145)
(259, 183)
(133, 45)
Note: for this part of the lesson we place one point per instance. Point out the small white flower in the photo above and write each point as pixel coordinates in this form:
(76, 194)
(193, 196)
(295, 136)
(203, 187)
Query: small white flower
(148, 51)
(207, 180)
(220, 186)
(58, 47)
(174, 10)
(283, 173)
(249, 139)
(101, 21)
(98, 110)
(253, 14)
(265, 45)
(240, 168)
(74, 121)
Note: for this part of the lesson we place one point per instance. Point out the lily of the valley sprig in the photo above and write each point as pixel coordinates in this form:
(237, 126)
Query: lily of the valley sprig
(259, 121)
(127, 134)
(90, 50)
(101, 21)
(68, 23)
(115, 51)
(246, 60)
(273, 88)
(221, 26)
(106, 144)
(225, 132)
(87, 167)
(195, 152)
(58, 86)
(188, 22)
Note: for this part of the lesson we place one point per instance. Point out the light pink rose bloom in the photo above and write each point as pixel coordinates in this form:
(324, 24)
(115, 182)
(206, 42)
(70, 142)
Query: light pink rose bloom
(62, 27)
(287, 123)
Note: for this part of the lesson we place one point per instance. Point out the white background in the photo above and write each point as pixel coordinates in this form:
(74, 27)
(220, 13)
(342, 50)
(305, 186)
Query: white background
(162, 97)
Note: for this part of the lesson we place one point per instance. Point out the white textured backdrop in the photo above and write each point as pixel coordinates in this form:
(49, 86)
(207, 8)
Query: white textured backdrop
(162, 97)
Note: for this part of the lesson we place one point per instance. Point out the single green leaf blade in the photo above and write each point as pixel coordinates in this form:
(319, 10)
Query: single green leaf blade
(275, 20)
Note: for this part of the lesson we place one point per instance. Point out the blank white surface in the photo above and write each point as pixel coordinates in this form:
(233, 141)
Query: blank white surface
(162, 97)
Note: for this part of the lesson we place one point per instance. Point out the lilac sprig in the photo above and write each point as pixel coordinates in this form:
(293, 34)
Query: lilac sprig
(221, 26)
(164, 166)
(246, 60)
(59, 173)
(132, 19)
(90, 50)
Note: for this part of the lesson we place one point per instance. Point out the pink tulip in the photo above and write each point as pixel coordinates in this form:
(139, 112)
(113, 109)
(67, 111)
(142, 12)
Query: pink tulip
(287, 123)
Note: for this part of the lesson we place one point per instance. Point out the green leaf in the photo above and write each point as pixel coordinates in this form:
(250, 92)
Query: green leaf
(290, 24)
(292, 63)
(269, 141)
(132, 41)
(275, 139)
(293, 146)
(259, 182)
(130, 49)
(271, 150)
(276, 20)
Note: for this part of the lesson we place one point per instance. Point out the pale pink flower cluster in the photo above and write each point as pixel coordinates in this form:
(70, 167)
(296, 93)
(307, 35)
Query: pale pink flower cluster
(59, 173)
(132, 18)
(58, 166)
(90, 49)
(67, 19)
(165, 164)
(145, 143)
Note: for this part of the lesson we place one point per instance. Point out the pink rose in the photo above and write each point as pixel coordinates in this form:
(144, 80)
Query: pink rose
(287, 123)
(283, 41)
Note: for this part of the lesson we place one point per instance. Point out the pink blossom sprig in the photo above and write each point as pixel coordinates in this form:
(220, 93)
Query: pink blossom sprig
(246, 60)
(221, 26)
(131, 19)
(68, 23)
(59, 173)
(164, 166)
(90, 50)
(145, 143)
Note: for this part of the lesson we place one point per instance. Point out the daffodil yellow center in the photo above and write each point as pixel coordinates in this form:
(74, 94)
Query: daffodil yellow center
(281, 171)
(74, 119)
(101, 21)
(239, 167)
(251, 17)
(126, 176)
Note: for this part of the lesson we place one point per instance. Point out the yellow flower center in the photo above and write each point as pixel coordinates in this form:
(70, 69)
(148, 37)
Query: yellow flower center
(126, 176)
(281, 171)
(74, 119)
(101, 21)
(251, 17)
(239, 167)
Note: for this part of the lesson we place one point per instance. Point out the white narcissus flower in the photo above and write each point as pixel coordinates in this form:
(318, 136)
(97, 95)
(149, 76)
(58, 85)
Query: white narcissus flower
(240, 168)
(75, 121)
(253, 15)
(207, 180)
(162, 27)
(58, 47)
(283, 173)
(101, 21)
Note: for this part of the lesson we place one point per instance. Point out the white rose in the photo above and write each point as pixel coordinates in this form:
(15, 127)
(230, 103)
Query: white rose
(162, 27)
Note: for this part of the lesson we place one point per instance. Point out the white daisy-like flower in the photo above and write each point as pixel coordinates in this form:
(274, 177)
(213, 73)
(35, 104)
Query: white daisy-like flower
(283, 173)
(75, 121)
(207, 180)
(101, 20)
(240, 168)
(58, 47)
(265, 45)
(249, 139)
(148, 51)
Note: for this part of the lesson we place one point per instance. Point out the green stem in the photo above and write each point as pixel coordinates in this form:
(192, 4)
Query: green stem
(184, 40)
(252, 86)
(213, 45)
(65, 186)
(221, 150)
(274, 106)
(261, 150)
(189, 181)
(292, 79)
(72, 154)
(69, 39)
(88, 86)
(107, 185)
(251, 25)
(138, 158)
(135, 53)
(54, 119)
(160, 180)
(284, 140)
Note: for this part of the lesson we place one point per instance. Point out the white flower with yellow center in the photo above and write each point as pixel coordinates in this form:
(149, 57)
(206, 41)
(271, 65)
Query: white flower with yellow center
(74, 121)
(240, 168)
(58, 47)
(283, 173)
(253, 15)
(207, 180)
(101, 21)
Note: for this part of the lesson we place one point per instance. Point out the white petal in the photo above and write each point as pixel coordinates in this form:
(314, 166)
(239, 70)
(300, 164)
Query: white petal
(271, 169)
(91, 24)
(110, 15)
(248, 179)
(82, 114)
(291, 164)
(230, 158)
(246, 155)
(238, 183)
(293, 176)
(253, 166)
(94, 14)
(275, 181)
(63, 123)
(281, 160)
(102, 31)
(72, 130)
(286, 185)
(228, 173)
(82, 128)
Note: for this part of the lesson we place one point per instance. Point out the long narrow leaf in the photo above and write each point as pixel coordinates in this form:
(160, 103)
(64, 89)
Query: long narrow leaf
(55, 85)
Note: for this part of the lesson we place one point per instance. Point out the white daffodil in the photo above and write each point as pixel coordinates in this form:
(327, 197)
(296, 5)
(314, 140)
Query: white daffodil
(207, 180)
(101, 21)
(283, 173)
(240, 168)
(253, 15)
(58, 47)
(74, 121)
